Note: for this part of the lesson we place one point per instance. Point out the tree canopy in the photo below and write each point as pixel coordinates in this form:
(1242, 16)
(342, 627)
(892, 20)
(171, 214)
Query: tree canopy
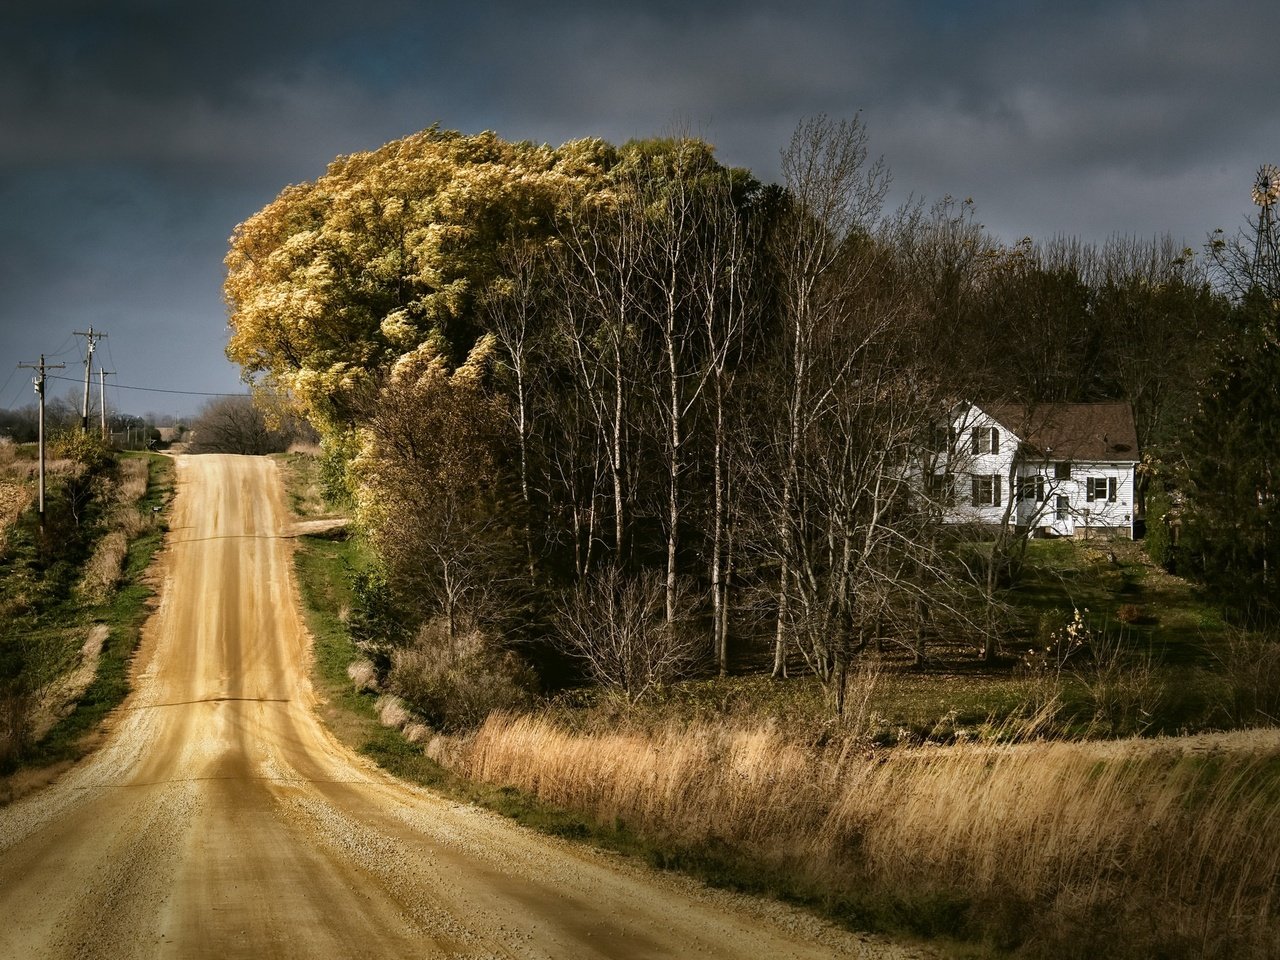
(532, 364)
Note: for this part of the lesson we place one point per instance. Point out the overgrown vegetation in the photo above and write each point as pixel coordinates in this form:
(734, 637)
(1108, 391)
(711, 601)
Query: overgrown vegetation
(1048, 849)
(637, 359)
(73, 597)
(934, 806)
(658, 430)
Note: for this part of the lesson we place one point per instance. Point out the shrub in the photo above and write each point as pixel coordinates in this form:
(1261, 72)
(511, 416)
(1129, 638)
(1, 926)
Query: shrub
(391, 711)
(616, 625)
(363, 675)
(456, 685)
(1131, 613)
(1251, 664)
(377, 624)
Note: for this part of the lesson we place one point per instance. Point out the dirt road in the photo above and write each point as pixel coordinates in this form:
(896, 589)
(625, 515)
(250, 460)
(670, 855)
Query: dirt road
(220, 819)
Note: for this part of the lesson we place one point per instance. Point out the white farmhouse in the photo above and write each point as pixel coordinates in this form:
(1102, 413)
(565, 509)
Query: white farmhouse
(1054, 469)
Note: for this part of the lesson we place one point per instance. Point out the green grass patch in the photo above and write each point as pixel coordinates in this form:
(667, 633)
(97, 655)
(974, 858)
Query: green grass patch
(1122, 590)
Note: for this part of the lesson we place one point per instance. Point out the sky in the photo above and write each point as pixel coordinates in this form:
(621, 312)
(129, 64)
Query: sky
(135, 134)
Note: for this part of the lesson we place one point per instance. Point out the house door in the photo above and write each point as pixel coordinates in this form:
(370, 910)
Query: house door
(1063, 524)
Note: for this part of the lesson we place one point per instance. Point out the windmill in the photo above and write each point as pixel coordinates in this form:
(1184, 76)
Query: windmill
(1266, 248)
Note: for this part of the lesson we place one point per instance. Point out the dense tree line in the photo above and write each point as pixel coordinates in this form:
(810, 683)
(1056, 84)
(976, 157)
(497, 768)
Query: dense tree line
(554, 379)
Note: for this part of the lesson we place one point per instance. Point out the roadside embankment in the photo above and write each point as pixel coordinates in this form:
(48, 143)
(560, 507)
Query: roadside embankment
(1162, 847)
(74, 600)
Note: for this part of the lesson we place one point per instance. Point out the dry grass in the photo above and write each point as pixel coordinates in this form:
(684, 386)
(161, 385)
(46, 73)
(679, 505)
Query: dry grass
(1127, 848)
(125, 523)
(14, 499)
(362, 674)
(131, 480)
(102, 572)
(17, 491)
(392, 712)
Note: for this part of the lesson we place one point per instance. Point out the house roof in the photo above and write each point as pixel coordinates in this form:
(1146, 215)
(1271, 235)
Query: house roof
(1072, 431)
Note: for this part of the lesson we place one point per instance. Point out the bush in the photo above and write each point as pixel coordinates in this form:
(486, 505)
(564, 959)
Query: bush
(456, 685)
(1159, 538)
(1251, 664)
(615, 625)
(1131, 613)
(377, 624)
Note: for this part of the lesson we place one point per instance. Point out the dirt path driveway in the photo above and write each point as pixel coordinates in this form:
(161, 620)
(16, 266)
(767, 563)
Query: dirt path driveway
(220, 819)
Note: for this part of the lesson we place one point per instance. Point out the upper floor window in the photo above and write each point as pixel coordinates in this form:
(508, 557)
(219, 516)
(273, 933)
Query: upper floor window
(939, 488)
(942, 438)
(1062, 471)
(984, 440)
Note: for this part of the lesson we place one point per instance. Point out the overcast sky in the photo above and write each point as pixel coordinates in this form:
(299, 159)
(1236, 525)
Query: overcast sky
(135, 134)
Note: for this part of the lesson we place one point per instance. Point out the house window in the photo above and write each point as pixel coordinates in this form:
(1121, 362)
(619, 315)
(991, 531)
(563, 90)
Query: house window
(938, 487)
(1031, 488)
(986, 489)
(984, 440)
(1102, 488)
(1064, 508)
(1062, 471)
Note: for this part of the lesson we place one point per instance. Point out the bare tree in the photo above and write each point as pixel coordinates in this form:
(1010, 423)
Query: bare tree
(235, 425)
(835, 197)
(616, 625)
(600, 245)
(518, 309)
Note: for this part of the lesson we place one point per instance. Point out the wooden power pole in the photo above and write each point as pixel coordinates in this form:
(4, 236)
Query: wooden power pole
(38, 380)
(92, 338)
(102, 399)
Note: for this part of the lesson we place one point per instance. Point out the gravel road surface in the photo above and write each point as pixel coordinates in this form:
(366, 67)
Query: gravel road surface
(219, 818)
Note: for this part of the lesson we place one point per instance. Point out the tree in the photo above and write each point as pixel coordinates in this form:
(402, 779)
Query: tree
(336, 279)
(434, 495)
(833, 197)
(616, 625)
(1232, 452)
(236, 425)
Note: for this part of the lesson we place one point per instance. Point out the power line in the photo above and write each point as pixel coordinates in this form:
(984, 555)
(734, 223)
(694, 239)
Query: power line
(185, 393)
(7, 382)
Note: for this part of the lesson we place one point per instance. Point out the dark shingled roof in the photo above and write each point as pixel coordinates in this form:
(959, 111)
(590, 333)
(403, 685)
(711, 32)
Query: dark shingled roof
(1072, 431)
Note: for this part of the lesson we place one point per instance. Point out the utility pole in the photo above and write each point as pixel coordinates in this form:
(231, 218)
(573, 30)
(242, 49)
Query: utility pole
(92, 339)
(38, 380)
(102, 399)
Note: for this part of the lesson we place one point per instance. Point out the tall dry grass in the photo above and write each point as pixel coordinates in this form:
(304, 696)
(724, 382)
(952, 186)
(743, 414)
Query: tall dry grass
(1127, 848)
(124, 523)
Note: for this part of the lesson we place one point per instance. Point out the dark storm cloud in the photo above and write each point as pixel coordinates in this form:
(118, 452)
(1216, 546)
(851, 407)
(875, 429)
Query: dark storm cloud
(135, 134)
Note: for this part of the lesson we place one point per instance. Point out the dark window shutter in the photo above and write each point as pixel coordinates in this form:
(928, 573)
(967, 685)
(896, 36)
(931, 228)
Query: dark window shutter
(1040, 489)
(1111, 489)
(975, 440)
(995, 489)
(974, 481)
(1089, 488)
(995, 440)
